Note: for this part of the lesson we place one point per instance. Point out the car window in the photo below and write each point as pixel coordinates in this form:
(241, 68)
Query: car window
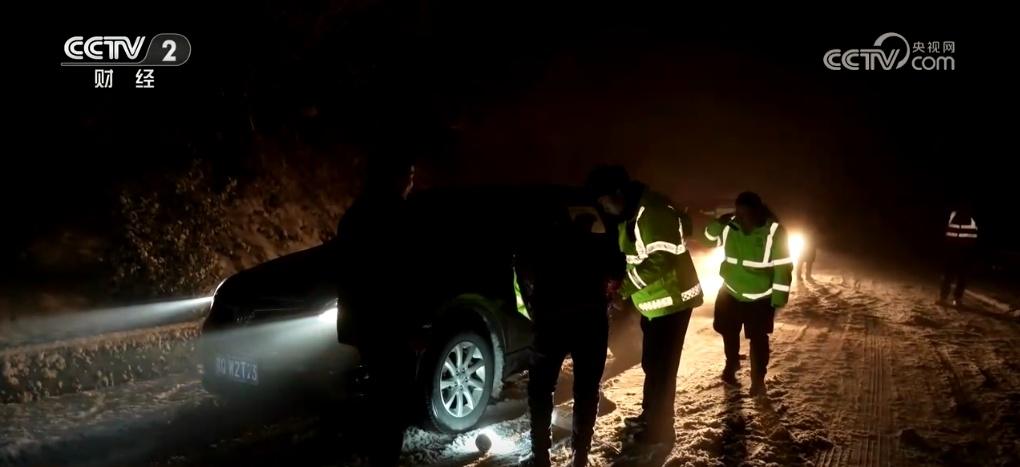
(577, 213)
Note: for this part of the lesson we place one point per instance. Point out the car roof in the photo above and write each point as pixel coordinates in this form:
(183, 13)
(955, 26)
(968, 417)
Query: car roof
(562, 194)
(523, 199)
(510, 209)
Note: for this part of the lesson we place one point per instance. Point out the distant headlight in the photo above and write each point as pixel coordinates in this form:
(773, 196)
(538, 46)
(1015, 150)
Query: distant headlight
(329, 314)
(796, 245)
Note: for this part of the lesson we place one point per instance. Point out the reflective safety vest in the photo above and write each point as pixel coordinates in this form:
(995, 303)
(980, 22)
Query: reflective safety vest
(758, 263)
(661, 278)
(521, 308)
(962, 229)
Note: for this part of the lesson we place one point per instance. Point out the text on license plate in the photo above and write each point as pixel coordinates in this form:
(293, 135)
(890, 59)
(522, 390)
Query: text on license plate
(242, 371)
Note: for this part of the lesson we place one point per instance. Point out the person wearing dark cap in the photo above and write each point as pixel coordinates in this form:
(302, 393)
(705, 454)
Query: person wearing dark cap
(756, 272)
(661, 282)
(378, 321)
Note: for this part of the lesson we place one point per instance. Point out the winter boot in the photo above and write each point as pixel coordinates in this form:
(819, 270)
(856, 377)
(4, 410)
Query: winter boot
(729, 374)
(758, 388)
(655, 437)
(638, 422)
(535, 459)
(580, 459)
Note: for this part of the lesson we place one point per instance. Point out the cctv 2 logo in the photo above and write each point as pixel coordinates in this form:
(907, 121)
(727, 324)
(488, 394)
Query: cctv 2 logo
(164, 50)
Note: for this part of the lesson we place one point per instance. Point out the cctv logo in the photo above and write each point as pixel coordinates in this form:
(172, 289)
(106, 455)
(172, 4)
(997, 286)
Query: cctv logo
(95, 47)
(836, 59)
(877, 58)
(163, 50)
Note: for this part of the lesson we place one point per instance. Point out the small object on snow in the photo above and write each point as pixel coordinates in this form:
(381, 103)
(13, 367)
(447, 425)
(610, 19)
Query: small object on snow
(563, 418)
(483, 443)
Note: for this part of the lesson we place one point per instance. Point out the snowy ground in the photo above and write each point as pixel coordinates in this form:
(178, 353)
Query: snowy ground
(864, 373)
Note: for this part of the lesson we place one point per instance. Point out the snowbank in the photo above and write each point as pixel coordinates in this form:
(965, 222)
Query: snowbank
(80, 428)
(45, 370)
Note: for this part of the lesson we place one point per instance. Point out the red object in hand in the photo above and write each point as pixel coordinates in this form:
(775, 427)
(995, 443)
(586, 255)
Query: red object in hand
(612, 286)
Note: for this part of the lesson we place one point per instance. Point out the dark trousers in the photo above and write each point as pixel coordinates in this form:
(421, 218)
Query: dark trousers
(757, 318)
(585, 339)
(957, 268)
(662, 343)
(391, 371)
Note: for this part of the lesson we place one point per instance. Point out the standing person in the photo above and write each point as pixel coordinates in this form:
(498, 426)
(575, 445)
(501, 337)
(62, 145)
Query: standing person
(563, 273)
(381, 330)
(808, 253)
(960, 246)
(662, 284)
(756, 277)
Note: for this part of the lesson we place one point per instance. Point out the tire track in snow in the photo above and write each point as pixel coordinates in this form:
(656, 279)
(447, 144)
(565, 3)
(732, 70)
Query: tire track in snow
(877, 444)
(870, 444)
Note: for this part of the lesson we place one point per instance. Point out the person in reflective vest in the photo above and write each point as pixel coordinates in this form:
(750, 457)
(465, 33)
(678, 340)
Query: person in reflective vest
(756, 272)
(661, 283)
(961, 239)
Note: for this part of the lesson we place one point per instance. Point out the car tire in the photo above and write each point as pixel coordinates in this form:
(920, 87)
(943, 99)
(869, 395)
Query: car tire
(473, 378)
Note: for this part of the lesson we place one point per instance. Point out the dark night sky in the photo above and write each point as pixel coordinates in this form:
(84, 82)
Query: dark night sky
(699, 105)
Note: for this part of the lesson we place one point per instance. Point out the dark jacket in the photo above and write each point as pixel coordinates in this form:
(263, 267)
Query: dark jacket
(372, 263)
(564, 274)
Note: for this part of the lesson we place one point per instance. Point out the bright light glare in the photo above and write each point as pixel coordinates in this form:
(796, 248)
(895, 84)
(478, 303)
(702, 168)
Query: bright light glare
(708, 271)
(328, 316)
(500, 444)
(796, 245)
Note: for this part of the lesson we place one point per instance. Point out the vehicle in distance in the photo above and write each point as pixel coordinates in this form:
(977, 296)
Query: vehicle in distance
(275, 326)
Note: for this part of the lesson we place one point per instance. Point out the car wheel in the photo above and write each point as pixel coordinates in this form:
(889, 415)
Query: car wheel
(458, 389)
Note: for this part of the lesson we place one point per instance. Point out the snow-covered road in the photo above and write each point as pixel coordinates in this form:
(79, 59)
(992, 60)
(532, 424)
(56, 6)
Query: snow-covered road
(864, 373)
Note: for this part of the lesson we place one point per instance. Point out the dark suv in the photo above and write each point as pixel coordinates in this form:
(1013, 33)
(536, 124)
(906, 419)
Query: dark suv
(275, 325)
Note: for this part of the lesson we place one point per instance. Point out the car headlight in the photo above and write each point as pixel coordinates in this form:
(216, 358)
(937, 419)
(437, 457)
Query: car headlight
(796, 245)
(329, 314)
(212, 298)
(217, 289)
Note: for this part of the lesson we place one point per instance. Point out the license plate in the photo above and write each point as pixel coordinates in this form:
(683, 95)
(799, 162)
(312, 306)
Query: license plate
(237, 369)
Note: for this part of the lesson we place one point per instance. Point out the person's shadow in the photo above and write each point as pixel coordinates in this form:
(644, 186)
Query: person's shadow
(733, 442)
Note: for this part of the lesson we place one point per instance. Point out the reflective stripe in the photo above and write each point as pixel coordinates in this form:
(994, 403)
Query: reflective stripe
(639, 244)
(668, 301)
(656, 304)
(690, 293)
(643, 251)
(520, 300)
(954, 230)
(971, 226)
(768, 251)
(665, 246)
(752, 296)
(748, 263)
(636, 279)
(781, 287)
(710, 236)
